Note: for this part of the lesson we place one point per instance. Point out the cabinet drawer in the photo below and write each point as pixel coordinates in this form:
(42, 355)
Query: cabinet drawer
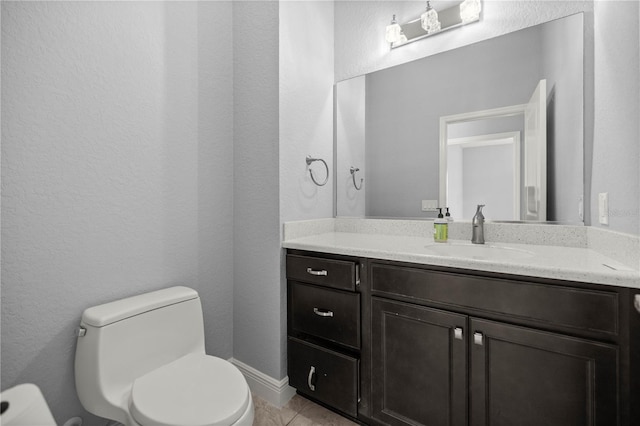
(330, 314)
(328, 272)
(327, 376)
(569, 307)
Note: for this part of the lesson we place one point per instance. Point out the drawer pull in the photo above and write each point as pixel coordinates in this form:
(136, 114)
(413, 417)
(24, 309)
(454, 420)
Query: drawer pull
(317, 273)
(477, 338)
(457, 333)
(322, 312)
(311, 379)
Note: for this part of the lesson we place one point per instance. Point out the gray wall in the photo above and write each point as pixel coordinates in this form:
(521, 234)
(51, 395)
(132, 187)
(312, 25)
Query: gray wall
(116, 172)
(485, 182)
(562, 66)
(615, 156)
(258, 310)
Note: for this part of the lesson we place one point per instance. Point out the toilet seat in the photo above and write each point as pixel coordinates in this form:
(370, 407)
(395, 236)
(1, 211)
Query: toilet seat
(195, 390)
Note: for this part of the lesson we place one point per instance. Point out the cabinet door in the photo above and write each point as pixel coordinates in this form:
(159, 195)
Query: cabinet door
(521, 376)
(419, 359)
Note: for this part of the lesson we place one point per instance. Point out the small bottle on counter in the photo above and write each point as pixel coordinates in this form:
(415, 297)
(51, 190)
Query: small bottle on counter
(440, 228)
(448, 216)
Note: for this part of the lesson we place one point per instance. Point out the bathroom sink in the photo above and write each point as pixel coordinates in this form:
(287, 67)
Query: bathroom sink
(477, 251)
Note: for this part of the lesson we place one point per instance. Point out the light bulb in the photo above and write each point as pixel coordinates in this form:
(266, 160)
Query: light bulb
(392, 34)
(470, 11)
(429, 20)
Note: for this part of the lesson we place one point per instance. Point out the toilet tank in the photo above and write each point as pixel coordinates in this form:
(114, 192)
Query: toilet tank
(128, 338)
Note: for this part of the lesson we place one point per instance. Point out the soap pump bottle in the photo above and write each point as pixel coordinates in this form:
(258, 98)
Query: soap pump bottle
(447, 216)
(440, 228)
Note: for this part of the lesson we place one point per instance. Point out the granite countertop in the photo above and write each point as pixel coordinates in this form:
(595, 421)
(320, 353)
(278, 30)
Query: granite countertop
(579, 264)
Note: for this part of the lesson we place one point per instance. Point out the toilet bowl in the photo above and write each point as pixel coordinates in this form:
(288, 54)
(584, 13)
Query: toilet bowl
(141, 361)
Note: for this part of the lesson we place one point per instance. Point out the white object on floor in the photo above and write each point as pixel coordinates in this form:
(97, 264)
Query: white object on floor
(26, 407)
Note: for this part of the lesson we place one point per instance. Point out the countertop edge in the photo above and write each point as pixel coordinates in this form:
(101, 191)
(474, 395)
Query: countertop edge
(628, 279)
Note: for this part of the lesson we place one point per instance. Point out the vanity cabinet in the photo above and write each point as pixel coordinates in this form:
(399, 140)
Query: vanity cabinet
(525, 376)
(396, 343)
(454, 349)
(324, 329)
(419, 365)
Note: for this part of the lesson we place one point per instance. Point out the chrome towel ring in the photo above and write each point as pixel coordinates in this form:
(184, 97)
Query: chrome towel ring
(311, 160)
(353, 171)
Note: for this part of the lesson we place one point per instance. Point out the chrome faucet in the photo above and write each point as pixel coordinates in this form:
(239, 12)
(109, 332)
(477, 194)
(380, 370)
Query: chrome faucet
(477, 226)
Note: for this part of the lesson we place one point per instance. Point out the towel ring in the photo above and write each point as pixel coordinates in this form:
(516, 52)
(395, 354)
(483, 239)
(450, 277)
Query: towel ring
(353, 171)
(311, 160)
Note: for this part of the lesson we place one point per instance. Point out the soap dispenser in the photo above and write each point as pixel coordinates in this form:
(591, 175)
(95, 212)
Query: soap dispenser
(440, 228)
(448, 216)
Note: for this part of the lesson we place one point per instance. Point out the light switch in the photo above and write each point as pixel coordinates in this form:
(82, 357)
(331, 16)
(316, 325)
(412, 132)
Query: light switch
(603, 208)
(429, 205)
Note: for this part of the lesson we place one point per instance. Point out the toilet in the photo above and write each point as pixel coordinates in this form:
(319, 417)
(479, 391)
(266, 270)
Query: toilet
(141, 361)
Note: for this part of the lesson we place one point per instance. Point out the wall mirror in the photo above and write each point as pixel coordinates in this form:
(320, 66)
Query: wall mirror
(397, 125)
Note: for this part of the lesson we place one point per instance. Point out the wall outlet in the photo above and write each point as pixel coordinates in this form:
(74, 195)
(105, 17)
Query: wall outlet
(603, 208)
(429, 205)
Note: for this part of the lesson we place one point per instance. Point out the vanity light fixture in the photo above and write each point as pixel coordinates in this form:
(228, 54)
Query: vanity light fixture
(429, 20)
(470, 11)
(392, 34)
(433, 21)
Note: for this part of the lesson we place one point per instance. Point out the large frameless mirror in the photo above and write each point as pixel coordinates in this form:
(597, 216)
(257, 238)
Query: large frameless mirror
(389, 127)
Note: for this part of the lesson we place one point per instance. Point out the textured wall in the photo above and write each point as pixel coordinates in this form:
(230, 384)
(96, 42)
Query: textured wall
(215, 172)
(306, 108)
(258, 309)
(305, 119)
(115, 173)
(616, 150)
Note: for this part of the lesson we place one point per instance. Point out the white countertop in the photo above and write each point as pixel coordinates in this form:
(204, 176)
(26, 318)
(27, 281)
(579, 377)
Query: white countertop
(565, 263)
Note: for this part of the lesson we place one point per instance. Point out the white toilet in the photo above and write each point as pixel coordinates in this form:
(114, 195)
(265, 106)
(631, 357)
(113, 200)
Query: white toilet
(141, 361)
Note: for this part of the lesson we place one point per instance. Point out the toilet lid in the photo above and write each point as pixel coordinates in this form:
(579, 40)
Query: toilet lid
(195, 390)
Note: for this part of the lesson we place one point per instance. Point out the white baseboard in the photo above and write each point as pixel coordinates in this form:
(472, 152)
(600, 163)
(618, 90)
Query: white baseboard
(275, 392)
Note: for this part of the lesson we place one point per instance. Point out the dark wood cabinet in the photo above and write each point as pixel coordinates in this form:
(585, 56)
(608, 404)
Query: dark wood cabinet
(454, 348)
(326, 313)
(393, 343)
(325, 375)
(419, 365)
(520, 376)
(324, 330)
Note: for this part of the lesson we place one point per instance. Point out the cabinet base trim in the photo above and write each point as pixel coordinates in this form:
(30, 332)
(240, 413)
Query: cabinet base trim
(275, 392)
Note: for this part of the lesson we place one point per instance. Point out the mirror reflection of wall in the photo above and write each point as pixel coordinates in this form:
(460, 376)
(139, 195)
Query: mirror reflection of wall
(404, 104)
(483, 166)
(485, 169)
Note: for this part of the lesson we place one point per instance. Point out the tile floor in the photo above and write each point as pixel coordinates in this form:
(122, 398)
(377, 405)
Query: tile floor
(298, 412)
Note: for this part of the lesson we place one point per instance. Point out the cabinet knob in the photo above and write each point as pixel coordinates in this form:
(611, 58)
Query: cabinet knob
(310, 379)
(478, 338)
(317, 273)
(323, 312)
(457, 333)
(636, 302)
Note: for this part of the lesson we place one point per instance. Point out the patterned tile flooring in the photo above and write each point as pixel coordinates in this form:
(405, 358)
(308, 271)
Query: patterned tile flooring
(299, 411)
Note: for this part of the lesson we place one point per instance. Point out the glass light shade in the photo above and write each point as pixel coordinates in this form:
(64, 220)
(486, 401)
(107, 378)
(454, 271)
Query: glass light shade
(402, 39)
(429, 21)
(392, 34)
(470, 11)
